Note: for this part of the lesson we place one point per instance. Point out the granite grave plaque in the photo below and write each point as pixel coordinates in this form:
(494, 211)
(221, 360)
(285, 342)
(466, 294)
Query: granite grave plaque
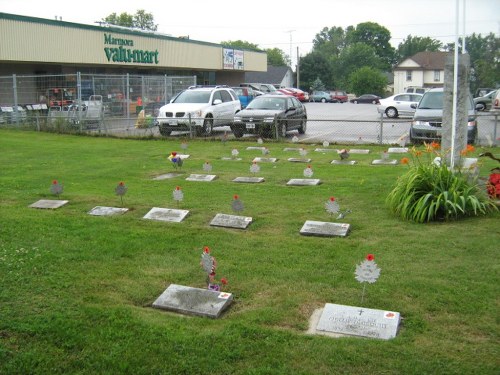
(397, 150)
(201, 177)
(167, 176)
(324, 229)
(107, 211)
(256, 148)
(344, 162)
(304, 182)
(291, 149)
(385, 162)
(265, 160)
(358, 321)
(193, 301)
(324, 149)
(249, 180)
(228, 158)
(358, 151)
(231, 221)
(299, 160)
(49, 203)
(166, 214)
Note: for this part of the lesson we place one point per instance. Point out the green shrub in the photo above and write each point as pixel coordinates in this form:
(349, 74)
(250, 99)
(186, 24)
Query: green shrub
(431, 191)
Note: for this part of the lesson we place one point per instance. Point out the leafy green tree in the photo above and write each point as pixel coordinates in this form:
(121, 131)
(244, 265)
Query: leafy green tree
(277, 57)
(351, 59)
(140, 20)
(317, 85)
(315, 65)
(367, 80)
(376, 36)
(241, 44)
(411, 45)
(330, 41)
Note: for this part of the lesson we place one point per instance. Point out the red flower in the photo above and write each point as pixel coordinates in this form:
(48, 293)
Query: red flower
(174, 153)
(54, 182)
(309, 166)
(121, 183)
(370, 257)
(177, 188)
(405, 161)
(223, 281)
(332, 199)
(235, 196)
(206, 250)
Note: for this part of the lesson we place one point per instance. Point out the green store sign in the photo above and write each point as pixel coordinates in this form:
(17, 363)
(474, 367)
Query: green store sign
(127, 55)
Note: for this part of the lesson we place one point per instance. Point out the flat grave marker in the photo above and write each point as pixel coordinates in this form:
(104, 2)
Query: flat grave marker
(229, 158)
(385, 162)
(49, 204)
(397, 150)
(358, 151)
(231, 221)
(324, 150)
(201, 177)
(166, 214)
(324, 229)
(256, 148)
(265, 160)
(344, 162)
(193, 301)
(107, 211)
(358, 321)
(299, 160)
(304, 182)
(249, 180)
(167, 176)
(292, 149)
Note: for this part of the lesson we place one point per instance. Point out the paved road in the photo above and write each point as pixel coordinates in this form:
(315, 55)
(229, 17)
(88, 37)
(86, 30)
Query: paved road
(345, 123)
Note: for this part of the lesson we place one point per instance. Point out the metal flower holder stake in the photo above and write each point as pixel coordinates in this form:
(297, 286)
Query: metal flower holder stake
(56, 188)
(121, 190)
(332, 207)
(237, 204)
(367, 272)
(207, 167)
(308, 172)
(254, 168)
(209, 265)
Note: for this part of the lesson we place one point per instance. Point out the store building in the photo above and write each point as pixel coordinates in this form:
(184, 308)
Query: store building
(36, 46)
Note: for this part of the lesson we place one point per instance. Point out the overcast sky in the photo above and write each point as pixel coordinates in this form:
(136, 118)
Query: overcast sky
(278, 23)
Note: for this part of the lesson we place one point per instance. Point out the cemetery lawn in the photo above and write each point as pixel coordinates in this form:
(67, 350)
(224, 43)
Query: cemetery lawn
(76, 290)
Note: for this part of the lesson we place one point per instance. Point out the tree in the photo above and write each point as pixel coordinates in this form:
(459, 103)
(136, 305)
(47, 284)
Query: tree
(317, 85)
(315, 65)
(375, 36)
(367, 80)
(414, 44)
(241, 44)
(276, 57)
(330, 41)
(351, 59)
(140, 20)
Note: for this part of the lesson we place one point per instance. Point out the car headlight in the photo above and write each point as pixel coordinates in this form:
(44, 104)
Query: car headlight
(237, 119)
(421, 123)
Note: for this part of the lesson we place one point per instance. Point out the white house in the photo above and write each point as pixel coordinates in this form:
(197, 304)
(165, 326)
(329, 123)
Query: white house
(424, 69)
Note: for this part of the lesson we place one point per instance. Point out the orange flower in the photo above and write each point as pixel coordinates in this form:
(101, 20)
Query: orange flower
(418, 153)
(435, 145)
(405, 160)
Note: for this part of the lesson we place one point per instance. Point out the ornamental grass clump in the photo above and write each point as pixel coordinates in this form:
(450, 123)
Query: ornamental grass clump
(431, 191)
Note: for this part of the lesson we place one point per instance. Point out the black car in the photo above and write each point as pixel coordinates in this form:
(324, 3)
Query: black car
(270, 115)
(366, 98)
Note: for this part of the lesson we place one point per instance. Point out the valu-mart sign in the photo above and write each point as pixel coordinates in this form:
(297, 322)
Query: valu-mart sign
(118, 50)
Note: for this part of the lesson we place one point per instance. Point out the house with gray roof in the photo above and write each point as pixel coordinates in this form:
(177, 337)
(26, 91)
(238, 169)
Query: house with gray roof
(424, 69)
(281, 76)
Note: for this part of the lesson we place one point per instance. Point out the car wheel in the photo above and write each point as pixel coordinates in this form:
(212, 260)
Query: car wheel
(323, 100)
(391, 112)
(238, 131)
(355, 102)
(481, 106)
(164, 131)
(303, 126)
(207, 127)
(374, 102)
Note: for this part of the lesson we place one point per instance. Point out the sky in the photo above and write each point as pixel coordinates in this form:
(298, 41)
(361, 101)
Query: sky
(288, 25)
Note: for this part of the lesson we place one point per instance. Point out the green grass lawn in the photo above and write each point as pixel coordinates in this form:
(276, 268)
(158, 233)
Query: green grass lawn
(76, 290)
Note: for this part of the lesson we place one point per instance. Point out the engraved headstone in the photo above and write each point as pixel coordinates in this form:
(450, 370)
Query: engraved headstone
(344, 162)
(260, 141)
(265, 160)
(193, 301)
(303, 182)
(231, 221)
(359, 151)
(324, 229)
(250, 148)
(201, 177)
(384, 162)
(291, 148)
(324, 149)
(358, 321)
(166, 214)
(326, 143)
(107, 211)
(167, 176)
(249, 180)
(49, 203)
(299, 160)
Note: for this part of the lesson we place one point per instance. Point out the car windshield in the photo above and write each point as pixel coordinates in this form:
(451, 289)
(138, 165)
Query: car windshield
(192, 97)
(267, 103)
(432, 100)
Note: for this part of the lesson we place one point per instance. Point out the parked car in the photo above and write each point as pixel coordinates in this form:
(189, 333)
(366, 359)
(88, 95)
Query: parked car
(245, 95)
(484, 103)
(428, 118)
(339, 96)
(284, 92)
(399, 105)
(299, 94)
(366, 98)
(264, 87)
(320, 96)
(496, 102)
(415, 90)
(269, 112)
(200, 108)
(482, 91)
